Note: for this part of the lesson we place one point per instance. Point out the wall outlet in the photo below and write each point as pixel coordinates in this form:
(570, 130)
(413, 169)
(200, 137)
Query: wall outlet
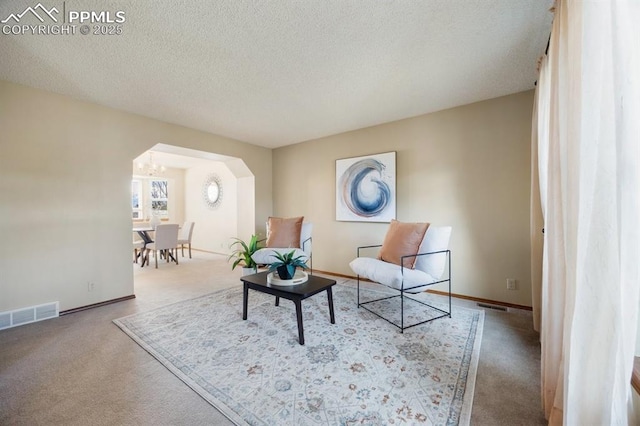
(511, 284)
(90, 286)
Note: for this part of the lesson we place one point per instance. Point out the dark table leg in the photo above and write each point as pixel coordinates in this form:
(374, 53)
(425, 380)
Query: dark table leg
(299, 316)
(245, 299)
(277, 300)
(330, 297)
(146, 239)
(145, 256)
(169, 255)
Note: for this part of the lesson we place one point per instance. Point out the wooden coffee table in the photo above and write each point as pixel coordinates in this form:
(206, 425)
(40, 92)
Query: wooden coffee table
(295, 293)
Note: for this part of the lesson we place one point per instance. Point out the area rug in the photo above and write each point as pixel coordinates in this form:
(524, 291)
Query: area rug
(360, 370)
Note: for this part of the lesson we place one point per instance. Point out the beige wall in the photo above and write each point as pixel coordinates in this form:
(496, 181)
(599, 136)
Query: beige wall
(65, 184)
(213, 227)
(65, 172)
(468, 167)
(246, 187)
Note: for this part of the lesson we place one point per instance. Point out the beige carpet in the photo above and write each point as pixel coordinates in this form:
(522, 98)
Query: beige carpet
(82, 370)
(360, 370)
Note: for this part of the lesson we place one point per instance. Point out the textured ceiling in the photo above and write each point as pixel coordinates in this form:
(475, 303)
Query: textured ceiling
(274, 73)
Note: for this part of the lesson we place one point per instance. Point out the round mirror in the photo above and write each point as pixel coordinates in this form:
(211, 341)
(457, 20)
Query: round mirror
(212, 191)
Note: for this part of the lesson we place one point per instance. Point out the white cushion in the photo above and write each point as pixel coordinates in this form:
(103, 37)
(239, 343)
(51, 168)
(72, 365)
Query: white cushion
(435, 239)
(390, 274)
(265, 256)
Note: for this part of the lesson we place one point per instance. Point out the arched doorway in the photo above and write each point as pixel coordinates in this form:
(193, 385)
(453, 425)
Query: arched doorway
(216, 192)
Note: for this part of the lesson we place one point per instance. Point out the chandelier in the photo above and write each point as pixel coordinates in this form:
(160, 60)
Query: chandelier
(151, 168)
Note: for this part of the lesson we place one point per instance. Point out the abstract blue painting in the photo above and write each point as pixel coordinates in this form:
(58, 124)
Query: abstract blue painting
(366, 188)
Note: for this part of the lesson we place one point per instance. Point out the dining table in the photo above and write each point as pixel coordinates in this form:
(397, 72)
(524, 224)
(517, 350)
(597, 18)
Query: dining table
(143, 232)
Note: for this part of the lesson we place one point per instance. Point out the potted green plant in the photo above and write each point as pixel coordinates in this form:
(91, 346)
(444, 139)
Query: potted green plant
(242, 253)
(287, 264)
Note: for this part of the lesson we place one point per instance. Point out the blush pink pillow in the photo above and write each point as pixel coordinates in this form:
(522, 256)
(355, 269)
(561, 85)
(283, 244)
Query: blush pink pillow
(284, 232)
(402, 239)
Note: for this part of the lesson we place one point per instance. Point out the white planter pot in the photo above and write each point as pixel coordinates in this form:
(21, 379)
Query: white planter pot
(249, 271)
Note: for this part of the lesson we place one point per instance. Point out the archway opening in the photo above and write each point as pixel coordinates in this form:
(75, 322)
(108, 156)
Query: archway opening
(214, 191)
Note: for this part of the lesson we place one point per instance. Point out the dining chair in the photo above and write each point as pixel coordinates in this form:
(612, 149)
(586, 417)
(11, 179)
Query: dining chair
(138, 245)
(166, 240)
(185, 236)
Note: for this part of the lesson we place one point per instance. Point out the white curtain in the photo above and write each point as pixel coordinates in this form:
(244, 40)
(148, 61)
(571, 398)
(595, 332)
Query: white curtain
(536, 222)
(587, 116)
(539, 142)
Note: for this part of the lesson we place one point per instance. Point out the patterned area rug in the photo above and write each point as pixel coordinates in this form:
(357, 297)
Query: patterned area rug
(361, 370)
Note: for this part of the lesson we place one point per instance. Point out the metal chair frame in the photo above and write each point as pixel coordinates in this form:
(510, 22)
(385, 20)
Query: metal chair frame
(403, 290)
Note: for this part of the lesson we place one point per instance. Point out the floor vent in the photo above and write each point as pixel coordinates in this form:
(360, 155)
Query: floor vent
(495, 307)
(28, 315)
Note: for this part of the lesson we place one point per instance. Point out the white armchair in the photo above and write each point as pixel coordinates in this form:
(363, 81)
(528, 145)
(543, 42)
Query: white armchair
(265, 255)
(432, 260)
